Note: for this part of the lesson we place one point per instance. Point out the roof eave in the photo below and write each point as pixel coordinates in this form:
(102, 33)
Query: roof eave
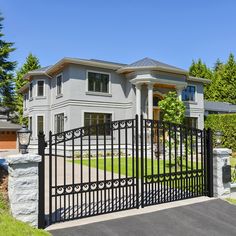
(23, 88)
(160, 68)
(198, 79)
(68, 60)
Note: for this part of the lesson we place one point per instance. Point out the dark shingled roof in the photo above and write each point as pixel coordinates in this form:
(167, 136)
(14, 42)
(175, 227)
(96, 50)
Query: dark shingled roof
(42, 69)
(109, 62)
(147, 62)
(5, 125)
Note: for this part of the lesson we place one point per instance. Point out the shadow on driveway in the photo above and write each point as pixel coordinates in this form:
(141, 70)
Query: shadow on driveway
(215, 217)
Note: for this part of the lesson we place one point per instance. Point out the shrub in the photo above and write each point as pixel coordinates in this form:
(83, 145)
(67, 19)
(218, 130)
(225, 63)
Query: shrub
(225, 123)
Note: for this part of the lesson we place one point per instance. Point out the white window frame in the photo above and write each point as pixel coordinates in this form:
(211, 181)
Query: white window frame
(55, 123)
(43, 88)
(36, 124)
(98, 93)
(62, 82)
(195, 95)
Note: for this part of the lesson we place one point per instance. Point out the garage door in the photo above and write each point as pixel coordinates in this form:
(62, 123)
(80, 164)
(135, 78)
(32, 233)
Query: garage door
(7, 139)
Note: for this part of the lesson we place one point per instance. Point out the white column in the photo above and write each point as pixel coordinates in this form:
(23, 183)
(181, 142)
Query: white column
(138, 99)
(179, 92)
(150, 101)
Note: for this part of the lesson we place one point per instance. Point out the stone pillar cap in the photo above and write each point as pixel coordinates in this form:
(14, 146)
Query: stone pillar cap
(23, 158)
(222, 151)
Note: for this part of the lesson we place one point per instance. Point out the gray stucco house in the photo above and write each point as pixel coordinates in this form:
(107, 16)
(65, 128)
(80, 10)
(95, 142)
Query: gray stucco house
(78, 92)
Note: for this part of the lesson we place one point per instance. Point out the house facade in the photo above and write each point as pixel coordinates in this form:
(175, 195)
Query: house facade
(75, 92)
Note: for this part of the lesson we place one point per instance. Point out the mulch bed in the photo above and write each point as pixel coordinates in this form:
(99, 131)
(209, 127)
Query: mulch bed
(4, 183)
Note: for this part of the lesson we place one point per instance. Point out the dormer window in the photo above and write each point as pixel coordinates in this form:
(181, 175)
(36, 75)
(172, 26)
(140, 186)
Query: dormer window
(40, 88)
(59, 84)
(98, 82)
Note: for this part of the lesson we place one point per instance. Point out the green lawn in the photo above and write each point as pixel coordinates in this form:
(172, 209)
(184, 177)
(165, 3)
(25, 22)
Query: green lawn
(130, 162)
(233, 171)
(233, 161)
(231, 200)
(9, 226)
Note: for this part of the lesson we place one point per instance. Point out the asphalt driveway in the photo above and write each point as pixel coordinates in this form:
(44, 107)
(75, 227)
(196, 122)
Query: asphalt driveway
(215, 217)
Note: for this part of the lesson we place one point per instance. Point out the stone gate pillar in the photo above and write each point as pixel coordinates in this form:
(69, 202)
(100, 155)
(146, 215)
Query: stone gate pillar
(23, 189)
(221, 157)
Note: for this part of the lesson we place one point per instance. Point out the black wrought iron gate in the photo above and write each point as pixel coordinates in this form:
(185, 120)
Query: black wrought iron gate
(121, 165)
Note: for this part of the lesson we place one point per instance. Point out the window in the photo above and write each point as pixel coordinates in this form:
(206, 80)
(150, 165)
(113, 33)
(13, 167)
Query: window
(98, 82)
(31, 90)
(40, 125)
(59, 123)
(95, 119)
(40, 91)
(30, 123)
(25, 99)
(188, 94)
(190, 122)
(59, 84)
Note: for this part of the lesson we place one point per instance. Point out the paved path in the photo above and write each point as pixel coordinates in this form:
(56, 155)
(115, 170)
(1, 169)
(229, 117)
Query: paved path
(215, 217)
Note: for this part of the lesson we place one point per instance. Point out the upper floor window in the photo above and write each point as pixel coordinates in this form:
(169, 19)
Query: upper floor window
(25, 99)
(59, 123)
(40, 90)
(188, 94)
(31, 90)
(98, 82)
(59, 84)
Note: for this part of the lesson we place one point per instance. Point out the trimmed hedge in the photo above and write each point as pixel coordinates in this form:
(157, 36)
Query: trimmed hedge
(225, 123)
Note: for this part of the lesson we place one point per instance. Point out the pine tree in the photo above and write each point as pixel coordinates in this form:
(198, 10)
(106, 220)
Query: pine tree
(31, 63)
(6, 71)
(225, 83)
(218, 65)
(200, 69)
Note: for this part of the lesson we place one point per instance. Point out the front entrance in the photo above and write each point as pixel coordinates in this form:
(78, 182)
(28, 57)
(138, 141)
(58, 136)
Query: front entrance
(156, 110)
(118, 166)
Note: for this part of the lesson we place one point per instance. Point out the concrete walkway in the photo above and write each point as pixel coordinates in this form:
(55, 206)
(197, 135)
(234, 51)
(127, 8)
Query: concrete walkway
(208, 218)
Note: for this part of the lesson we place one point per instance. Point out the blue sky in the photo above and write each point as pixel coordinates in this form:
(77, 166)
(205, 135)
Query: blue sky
(170, 31)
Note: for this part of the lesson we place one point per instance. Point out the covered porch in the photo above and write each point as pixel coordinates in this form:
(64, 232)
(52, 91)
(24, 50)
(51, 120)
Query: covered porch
(150, 90)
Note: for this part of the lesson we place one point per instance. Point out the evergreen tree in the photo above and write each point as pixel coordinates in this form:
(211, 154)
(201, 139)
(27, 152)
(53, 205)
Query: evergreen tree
(6, 71)
(218, 65)
(225, 82)
(31, 63)
(200, 69)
